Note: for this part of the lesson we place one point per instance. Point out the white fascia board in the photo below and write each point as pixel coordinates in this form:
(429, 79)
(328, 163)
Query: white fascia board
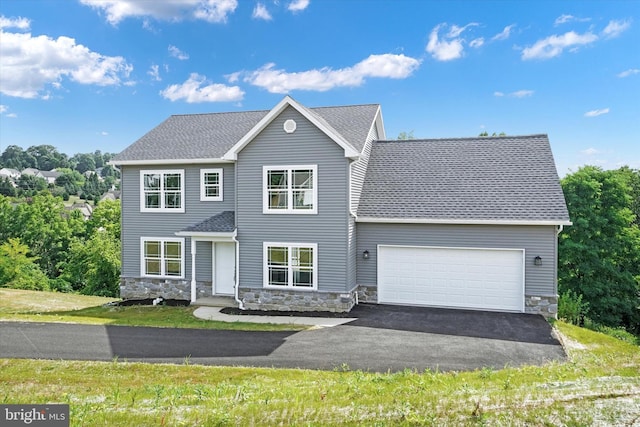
(459, 221)
(287, 101)
(379, 124)
(218, 236)
(167, 162)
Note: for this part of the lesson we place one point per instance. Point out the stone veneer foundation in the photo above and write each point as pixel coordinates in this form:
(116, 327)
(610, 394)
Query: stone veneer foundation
(286, 300)
(546, 305)
(144, 287)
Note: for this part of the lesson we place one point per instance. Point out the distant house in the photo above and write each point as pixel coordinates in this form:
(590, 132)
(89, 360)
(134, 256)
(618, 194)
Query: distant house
(111, 195)
(49, 176)
(30, 171)
(12, 174)
(85, 209)
(299, 208)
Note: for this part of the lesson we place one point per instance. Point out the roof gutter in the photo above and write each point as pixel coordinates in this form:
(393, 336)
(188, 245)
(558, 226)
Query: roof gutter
(167, 162)
(460, 221)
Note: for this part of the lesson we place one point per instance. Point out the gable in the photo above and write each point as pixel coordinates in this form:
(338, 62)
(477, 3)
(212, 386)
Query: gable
(314, 118)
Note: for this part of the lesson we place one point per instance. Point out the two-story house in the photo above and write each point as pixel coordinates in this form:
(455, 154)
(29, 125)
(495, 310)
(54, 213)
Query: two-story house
(298, 208)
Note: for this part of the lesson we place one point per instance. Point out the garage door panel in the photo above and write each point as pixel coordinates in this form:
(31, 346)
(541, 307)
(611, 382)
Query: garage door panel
(452, 277)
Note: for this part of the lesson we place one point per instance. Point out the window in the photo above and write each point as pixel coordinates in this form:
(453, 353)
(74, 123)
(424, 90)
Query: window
(211, 185)
(162, 191)
(290, 189)
(290, 265)
(162, 257)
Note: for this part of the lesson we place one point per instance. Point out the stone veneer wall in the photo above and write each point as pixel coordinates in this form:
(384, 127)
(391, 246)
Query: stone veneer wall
(145, 287)
(367, 293)
(546, 305)
(287, 300)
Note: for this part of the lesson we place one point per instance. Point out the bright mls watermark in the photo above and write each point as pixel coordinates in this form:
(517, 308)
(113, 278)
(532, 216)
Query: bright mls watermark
(53, 415)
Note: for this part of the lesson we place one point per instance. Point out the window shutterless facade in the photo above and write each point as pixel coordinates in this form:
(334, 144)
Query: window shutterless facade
(290, 189)
(162, 257)
(162, 190)
(290, 265)
(211, 185)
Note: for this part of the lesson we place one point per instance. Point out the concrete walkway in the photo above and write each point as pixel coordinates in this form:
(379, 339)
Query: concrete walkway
(213, 313)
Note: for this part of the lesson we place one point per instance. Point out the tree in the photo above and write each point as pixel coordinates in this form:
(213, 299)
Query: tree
(403, 136)
(16, 158)
(84, 162)
(93, 267)
(47, 157)
(599, 255)
(106, 216)
(31, 184)
(18, 270)
(7, 188)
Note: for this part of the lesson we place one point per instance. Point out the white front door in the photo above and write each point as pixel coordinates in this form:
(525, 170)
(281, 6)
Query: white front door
(224, 267)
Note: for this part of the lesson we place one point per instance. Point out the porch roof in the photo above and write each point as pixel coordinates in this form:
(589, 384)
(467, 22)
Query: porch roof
(224, 222)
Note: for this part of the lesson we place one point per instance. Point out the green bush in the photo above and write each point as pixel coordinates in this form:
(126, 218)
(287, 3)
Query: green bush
(619, 332)
(571, 308)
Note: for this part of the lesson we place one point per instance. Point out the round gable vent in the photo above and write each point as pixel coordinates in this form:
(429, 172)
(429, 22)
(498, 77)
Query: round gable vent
(290, 126)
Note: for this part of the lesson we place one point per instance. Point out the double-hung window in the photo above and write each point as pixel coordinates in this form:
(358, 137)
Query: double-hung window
(211, 185)
(290, 265)
(162, 257)
(290, 189)
(162, 190)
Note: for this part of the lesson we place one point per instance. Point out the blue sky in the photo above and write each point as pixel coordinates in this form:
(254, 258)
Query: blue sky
(98, 74)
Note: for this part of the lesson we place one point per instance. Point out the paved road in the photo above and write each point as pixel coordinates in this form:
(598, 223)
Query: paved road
(383, 338)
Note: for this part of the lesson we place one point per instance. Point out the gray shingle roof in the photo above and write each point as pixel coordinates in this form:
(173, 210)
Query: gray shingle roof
(476, 179)
(204, 136)
(221, 223)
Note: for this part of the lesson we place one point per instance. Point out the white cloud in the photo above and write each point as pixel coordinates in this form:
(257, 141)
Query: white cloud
(595, 113)
(104, 133)
(261, 12)
(30, 64)
(177, 53)
(3, 109)
(298, 5)
(279, 81)
(590, 151)
(198, 89)
(449, 46)
(505, 34)
(154, 72)
(166, 10)
(476, 43)
(521, 93)
(17, 23)
(517, 94)
(629, 72)
(615, 28)
(553, 46)
(563, 19)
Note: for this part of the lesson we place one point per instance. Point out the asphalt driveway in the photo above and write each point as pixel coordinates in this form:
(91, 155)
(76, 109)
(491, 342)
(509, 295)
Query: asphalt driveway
(383, 338)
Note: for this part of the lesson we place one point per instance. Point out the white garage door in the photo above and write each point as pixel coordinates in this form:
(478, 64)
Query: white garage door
(488, 279)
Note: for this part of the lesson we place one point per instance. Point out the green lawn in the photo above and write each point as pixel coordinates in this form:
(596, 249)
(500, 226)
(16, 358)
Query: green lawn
(35, 306)
(600, 384)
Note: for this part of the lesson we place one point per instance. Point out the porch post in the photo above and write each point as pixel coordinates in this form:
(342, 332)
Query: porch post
(193, 270)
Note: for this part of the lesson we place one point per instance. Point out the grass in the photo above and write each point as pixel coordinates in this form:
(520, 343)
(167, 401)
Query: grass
(35, 306)
(600, 384)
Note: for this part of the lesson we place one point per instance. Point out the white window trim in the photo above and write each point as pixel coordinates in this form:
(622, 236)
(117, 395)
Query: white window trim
(203, 194)
(162, 241)
(265, 265)
(162, 172)
(289, 210)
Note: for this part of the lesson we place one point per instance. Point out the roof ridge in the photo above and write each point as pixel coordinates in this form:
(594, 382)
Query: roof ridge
(468, 138)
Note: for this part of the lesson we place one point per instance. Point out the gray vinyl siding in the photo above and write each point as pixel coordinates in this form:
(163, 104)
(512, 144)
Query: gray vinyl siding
(535, 240)
(136, 224)
(328, 229)
(359, 169)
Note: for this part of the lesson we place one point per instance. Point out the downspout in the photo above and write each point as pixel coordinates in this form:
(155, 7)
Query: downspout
(193, 270)
(559, 230)
(236, 294)
(355, 218)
